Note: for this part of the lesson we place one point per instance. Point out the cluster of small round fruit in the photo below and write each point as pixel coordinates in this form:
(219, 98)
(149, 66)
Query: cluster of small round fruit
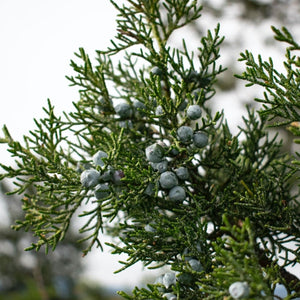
(99, 180)
(169, 179)
(124, 111)
(237, 290)
(167, 280)
(186, 134)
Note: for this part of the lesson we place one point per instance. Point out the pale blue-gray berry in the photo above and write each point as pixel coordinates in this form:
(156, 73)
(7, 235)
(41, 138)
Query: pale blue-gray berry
(155, 153)
(139, 108)
(185, 134)
(182, 173)
(159, 111)
(168, 180)
(101, 191)
(156, 71)
(182, 106)
(150, 189)
(159, 280)
(177, 193)
(138, 104)
(123, 110)
(107, 175)
(194, 112)
(169, 279)
(170, 296)
(196, 93)
(174, 152)
(200, 139)
(79, 168)
(161, 166)
(185, 278)
(117, 177)
(127, 124)
(195, 265)
(192, 76)
(239, 290)
(149, 228)
(188, 253)
(105, 105)
(98, 158)
(153, 102)
(89, 178)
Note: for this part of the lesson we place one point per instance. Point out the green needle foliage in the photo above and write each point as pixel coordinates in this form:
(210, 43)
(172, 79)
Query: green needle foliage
(229, 210)
(282, 91)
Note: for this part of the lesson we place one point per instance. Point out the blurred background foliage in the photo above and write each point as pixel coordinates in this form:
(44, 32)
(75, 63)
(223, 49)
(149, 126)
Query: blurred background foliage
(35, 275)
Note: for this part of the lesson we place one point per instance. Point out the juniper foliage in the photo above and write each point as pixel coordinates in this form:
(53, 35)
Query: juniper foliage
(238, 214)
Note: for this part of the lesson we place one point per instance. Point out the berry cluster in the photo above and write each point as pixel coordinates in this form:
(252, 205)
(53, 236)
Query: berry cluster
(173, 179)
(165, 282)
(186, 134)
(125, 112)
(168, 179)
(99, 181)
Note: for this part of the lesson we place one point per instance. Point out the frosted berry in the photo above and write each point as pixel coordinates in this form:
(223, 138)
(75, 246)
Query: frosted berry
(239, 290)
(169, 279)
(79, 168)
(200, 139)
(127, 124)
(97, 158)
(185, 278)
(194, 112)
(139, 108)
(170, 296)
(188, 255)
(150, 189)
(185, 134)
(138, 105)
(161, 166)
(155, 153)
(196, 93)
(117, 177)
(159, 280)
(177, 193)
(153, 102)
(195, 265)
(101, 191)
(174, 152)
(182, 106)
(149, 228)
(123, 110)
(107, 175)
(156, 71)
(89, 178)
(182, 173)
(192, 76)
(104, 105)
(159, 111)
(168, 180)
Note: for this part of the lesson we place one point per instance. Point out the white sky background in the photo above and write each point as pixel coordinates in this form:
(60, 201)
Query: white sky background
(38, 39)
